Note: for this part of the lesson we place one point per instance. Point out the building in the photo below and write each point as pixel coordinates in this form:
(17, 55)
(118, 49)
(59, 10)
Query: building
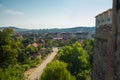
(106, 57)
(104, 18)
(104, 24)
(66, 35)
(103, 47)
(81, 35)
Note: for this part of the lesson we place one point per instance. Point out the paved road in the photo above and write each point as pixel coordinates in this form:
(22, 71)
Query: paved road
(35, 75)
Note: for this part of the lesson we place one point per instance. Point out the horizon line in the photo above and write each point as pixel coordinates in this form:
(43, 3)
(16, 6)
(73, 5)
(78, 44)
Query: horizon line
(44, 28)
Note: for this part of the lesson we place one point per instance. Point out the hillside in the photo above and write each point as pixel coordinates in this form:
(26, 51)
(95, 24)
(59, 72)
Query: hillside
(54, 30)
(75, 29)
(15, 29)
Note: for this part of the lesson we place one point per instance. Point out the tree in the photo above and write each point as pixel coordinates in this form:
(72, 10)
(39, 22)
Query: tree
(57, 71)
(72, 40)
(27, 41)
(48, 41)
(77, 59)
(11, 73)
(22, 58)
(30, 49)
(8, 48)
(89, 47)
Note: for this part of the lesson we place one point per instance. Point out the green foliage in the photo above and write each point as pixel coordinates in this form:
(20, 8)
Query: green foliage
(11, 73)
(60, 43)
(33, 62)
(8, 48)
(57, 71)
(89, 46)
(55, 44)
(30, 49)
(29, 63)
(83, 75)
(13, 58)
(25, 67)
(9, 69)
(72, 40)
(23, 58)
(77, 59)
(48, 43)
(27, 41)
(40, 46)
(43, 54)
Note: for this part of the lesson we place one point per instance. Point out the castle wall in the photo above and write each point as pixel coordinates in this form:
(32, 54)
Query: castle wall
(106, 57)
(103, 58)
(116, 27)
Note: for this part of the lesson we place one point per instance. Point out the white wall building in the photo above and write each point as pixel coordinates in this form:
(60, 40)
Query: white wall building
(104, 18)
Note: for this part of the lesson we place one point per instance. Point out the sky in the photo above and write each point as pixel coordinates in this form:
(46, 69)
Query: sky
(44, 14)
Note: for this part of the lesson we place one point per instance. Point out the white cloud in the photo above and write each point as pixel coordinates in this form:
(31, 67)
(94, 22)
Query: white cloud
(12, 12)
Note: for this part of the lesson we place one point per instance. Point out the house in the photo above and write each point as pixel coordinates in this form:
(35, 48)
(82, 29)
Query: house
(81, 35)
(35, 45)
(66, 35)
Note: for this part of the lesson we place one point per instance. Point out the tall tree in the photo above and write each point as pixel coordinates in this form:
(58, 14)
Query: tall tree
(89, 47)
(8, 48)
(77, 59)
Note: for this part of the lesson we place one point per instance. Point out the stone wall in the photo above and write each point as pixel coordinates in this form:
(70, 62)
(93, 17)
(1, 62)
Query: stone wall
(116, 25)
(103, 60)
(106, 58)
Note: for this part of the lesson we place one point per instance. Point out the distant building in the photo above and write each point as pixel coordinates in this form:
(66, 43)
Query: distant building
(57, 38)
(66, 36)
(83, 35)
(35, 45)
(104, 18)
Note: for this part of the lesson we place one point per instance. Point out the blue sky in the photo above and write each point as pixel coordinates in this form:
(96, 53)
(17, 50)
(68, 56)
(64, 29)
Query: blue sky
(39, 14)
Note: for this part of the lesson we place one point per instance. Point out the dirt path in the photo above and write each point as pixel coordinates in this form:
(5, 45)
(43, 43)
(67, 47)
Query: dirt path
(35, 75)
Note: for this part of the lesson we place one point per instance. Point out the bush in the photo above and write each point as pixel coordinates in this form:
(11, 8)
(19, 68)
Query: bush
(11, 73)
(25, 67)
(57, 71)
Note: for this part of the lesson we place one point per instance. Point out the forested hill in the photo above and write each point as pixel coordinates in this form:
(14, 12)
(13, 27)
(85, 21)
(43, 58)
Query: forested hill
(75, 29)
(15, 29)
(54, 30)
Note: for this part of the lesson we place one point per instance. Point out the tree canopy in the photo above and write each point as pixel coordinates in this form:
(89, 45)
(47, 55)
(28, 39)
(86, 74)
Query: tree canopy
(57, 71)
(8, 48)
(77, 59)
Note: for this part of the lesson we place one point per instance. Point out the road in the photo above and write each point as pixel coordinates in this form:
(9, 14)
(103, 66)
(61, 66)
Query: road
(35, 75)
